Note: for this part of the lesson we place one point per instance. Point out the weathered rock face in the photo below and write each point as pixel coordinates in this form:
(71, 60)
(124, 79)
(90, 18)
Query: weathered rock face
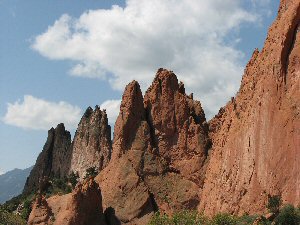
(54, 160)
(159, 152)
(178, 125)
(82, 206)
(91, 146)
(256, 136)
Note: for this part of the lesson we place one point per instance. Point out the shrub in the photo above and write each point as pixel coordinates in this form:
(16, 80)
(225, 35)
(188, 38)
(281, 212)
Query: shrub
(159, 219)
(247, 219)
(224, 219)
(289, 215)
(189, 218)
(73, 179)
(26, 209)
(91, 172)
(179, 218)
(274, 203)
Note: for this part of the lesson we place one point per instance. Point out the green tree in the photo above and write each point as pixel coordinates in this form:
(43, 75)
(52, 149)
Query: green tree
(224, 219)
(91, 172)
(289, 215)
(73, 178)
(274, 203)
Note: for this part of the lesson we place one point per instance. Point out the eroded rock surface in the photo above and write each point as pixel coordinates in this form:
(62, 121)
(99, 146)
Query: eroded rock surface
(54, 160)
(159, 152)
(256, 136)
(82, 206)
(167, 157)
(91, 146)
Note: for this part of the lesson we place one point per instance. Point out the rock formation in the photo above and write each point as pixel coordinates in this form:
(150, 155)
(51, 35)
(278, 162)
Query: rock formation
(54, 160)
(91, 146)
(82, 206)
(256, 136)
(166, 157)
(159, 151)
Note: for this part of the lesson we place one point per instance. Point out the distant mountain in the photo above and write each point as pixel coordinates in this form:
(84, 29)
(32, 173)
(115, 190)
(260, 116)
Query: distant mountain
(12, 183)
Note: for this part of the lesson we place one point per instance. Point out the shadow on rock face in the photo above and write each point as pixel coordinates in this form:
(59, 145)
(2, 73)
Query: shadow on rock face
(110, 217)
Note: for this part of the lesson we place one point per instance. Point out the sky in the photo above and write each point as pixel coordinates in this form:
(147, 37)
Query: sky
(59, 57)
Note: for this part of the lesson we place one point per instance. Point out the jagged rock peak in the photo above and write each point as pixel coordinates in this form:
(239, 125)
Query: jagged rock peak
(175, 117)
(54, 160)
(131, 114)
(91, 146)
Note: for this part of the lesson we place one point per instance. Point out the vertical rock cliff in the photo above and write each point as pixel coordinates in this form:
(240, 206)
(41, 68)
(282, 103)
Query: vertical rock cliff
(256, 136)
(54, 160)
(91, 146)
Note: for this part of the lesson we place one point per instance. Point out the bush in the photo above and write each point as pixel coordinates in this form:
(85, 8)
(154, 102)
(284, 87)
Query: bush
(224, 219)
(73, 179)
(247, 219)
(160, 219)
(7, 218)
(289, 215)
(58, 186)
(91, 172)
(179, 218)
(274, 203)
(188, 218)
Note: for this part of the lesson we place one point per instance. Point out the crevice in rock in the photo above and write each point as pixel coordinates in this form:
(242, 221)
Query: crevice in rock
(289, 43)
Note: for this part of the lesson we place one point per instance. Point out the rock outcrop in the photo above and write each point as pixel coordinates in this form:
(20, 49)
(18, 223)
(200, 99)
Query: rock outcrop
(166, 157)
(82, 206)
(256, 136)
(91, 146)
(159, 152)
(54, 160)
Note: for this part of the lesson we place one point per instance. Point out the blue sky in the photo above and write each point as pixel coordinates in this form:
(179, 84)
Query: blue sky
(59, 57)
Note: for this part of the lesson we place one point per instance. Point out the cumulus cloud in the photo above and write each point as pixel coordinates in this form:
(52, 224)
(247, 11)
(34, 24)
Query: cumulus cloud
(194, 38)
(38, 114)
(112, 109)
(1, 172)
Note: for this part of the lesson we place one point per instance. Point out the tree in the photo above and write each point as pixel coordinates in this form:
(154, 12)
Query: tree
(73, 178)
(288, 215)
(90, 172)
(274, 203)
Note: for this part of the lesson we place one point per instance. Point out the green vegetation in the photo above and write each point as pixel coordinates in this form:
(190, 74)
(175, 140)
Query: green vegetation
(274, 203)
(73, 179)
(20, 205)
(286, 215)
(7, 218)
(57, 186)
(91, 172)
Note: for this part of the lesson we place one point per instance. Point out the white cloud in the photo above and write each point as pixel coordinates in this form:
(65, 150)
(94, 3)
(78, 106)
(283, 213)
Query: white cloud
(194, 38)
(1, 172)
(112, 109)
(38, 114)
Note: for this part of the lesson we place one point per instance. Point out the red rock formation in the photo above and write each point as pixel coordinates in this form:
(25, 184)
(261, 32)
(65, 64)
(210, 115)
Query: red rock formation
(91, 146)
(54, 160)
(178, 124)
(256, 138)
(82, 206)
(165, 157)
(160, 147)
